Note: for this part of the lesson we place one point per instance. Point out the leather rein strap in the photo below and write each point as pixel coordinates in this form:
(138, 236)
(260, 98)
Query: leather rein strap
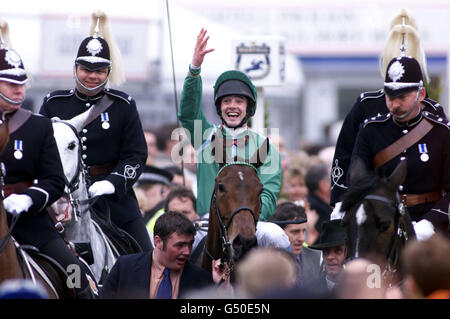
(402, 143)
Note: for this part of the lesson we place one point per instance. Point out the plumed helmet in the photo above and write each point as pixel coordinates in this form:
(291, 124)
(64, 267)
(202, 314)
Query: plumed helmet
(402, 76)
(403, 39)
(93, 53)
(98, 50)
(235, 83)
(11, 65)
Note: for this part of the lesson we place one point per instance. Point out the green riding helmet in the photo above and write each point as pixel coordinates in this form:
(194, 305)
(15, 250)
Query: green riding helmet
(235, 83)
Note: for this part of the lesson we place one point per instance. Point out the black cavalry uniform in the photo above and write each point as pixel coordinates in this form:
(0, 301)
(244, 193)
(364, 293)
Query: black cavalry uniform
(367, 106)
(31, 156)
(115, 150)
(428, 161)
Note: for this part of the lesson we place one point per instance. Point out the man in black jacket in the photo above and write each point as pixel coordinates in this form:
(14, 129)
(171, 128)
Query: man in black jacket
(143, 275)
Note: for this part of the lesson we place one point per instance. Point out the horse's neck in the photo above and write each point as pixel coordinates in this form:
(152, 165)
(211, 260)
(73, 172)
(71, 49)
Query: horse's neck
(9, 263)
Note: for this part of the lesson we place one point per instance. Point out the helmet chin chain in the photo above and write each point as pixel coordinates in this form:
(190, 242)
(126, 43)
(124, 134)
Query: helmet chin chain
(413, 106)
(94, 89)
(13, 102)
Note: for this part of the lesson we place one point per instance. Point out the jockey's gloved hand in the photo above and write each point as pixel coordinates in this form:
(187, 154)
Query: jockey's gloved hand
(271, 235)
(101, 188)
(337, 213)
(424, 229)
(16, 204)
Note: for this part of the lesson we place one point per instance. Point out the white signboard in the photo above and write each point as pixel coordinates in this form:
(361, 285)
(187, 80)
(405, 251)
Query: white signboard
(61, 36)
(261, 58)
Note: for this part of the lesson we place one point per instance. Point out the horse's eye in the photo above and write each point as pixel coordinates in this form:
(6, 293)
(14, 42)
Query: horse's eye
(71, 146)
(221, 188)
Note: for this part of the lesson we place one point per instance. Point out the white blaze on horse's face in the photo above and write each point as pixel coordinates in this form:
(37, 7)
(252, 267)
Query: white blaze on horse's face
(241, 176)
(361, 215)
(68, 145)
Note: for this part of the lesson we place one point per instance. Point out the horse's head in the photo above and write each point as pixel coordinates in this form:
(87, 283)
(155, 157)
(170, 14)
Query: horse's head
(69, 150)
(236, 202)
(373, 210)
(69, 146)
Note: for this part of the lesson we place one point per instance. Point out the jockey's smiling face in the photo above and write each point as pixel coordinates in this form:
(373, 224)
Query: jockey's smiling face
(174, 253)
(12, 91)
(234, 109)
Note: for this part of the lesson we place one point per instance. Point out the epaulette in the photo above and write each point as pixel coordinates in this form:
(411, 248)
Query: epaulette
(377, 119)
(436, 119)
(119, 94)
(435, 105)
(371, 95)
(59, 93)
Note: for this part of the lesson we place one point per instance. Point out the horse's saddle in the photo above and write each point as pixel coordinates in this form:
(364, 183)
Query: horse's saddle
(34, 262)
(123, 242)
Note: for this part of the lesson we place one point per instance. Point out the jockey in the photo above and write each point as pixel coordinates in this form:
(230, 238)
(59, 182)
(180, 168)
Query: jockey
(235, 101)
(34, 175)
(114, 148)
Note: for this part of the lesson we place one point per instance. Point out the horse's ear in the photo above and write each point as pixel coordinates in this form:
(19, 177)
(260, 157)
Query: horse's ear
(398, 176)
(79, 120)
(357, 170)
(260, 156)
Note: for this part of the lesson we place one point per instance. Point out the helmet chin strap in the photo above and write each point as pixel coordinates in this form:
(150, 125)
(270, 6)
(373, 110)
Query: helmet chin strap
(413, 106)
(10, 101)
(94, 89)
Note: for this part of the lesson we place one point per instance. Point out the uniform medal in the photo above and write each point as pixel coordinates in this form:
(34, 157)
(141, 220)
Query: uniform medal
(18, 149)
(105, 121)
(424, 157)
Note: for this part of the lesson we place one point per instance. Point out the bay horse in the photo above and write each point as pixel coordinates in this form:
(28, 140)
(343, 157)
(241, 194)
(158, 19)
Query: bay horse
(235, 208)
(377, 222)
(76, 204)
(17, 262)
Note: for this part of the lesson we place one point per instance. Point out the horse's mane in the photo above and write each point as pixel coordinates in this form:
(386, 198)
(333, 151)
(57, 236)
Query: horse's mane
(360, 188)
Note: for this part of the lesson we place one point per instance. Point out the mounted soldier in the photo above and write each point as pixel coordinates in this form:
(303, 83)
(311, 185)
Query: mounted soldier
(34, 176)
(403, 39)
(114, 147)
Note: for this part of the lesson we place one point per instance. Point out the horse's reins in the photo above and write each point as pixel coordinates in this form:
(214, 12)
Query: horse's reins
(400, 211)
(223, 229)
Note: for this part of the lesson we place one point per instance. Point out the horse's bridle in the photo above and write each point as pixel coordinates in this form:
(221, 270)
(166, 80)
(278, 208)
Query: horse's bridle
(400, 210)
(74, 184)
(223, 228)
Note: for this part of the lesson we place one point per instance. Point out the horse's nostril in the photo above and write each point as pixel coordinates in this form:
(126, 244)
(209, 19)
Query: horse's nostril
(237, 243)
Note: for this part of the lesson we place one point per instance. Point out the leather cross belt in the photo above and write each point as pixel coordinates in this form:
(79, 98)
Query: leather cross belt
(416, 199)
(101, 169)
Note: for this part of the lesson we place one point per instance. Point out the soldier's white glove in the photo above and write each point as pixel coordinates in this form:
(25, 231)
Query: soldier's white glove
(424, 229)
(101, 188)
(337, 213)
(16, 204)
(271, 235)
